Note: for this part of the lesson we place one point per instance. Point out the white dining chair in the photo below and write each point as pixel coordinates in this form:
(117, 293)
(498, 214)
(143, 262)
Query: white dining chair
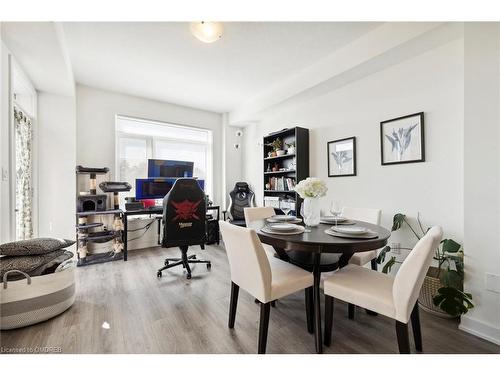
(256, 214)
(266, 279)
(372, 216)
(394, 297)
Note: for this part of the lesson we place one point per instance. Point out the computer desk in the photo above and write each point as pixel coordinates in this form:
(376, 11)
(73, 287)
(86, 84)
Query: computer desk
(158, 212)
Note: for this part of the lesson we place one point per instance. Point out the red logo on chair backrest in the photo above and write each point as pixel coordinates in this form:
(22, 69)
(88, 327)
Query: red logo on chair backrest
(186, 210)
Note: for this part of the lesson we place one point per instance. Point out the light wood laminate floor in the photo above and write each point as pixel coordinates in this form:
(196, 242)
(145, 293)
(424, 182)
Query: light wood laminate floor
(175, 315)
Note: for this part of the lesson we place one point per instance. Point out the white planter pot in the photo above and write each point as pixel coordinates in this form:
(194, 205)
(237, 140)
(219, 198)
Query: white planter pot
(280, 152)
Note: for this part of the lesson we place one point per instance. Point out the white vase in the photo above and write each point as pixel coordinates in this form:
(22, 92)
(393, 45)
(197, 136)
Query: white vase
(311, 212)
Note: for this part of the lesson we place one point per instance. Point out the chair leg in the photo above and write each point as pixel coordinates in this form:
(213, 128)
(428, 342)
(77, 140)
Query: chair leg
(233, 303)
(403, 340)
(328, 319)
(374, 264)
(265, 309)
(185, 262)
(415, 325)
(309, 309)
(350, 309)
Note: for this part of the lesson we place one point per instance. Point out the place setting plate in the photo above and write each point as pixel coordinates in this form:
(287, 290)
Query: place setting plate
(283, 228)
(284, 219)
(352, 232)
(340, 220)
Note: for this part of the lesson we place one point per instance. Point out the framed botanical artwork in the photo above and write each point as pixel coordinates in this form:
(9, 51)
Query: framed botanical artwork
(342, 157)
(402, 140)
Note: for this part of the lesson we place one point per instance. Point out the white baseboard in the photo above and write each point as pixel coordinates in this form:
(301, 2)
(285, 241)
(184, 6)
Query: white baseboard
(480, 329)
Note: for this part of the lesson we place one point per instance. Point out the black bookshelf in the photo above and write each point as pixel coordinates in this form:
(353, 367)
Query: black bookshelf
(293, 166)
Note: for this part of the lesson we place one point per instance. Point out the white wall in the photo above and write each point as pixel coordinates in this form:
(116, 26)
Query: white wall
(233, 158)
(482, 176)
(431, 82)
(96, 110)
(56, 165)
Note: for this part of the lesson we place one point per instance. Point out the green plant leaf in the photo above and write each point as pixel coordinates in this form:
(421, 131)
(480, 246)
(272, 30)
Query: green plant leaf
(381, 255)
(450, 246)
(453, 301)
(388, 266)
(397, 221)
(452, 278)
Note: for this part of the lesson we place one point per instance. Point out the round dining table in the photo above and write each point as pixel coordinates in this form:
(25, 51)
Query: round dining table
(317, 242)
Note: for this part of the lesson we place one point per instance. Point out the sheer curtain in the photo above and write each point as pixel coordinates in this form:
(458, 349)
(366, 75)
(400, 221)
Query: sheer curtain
(24, 171)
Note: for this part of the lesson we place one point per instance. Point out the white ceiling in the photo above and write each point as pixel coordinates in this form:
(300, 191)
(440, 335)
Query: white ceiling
(37, 48)
(163, 61)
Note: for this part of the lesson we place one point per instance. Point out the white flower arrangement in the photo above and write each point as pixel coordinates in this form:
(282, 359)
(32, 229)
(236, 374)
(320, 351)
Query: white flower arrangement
(311, 187)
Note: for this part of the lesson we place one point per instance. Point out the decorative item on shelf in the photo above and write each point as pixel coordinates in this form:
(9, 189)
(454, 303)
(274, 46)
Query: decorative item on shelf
(268, 186)
(342, 157)
(442, 293)
(275, 167)
(268, 167)
(290, 148)
(311, 189)
(402, 140)
(277, 144)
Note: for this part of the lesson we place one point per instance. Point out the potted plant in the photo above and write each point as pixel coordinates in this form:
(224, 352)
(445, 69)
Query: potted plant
(290, 148)
(443, 290)
(276, 145)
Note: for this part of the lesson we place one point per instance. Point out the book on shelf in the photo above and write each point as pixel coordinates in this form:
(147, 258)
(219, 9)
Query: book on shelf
(281, 183)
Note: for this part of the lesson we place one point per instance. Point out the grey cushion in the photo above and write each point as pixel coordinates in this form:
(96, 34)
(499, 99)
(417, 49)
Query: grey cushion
(33, 265)
(35, 246)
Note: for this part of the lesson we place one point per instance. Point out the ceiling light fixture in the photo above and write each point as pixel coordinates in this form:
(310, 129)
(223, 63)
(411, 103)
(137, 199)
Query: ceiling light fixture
(207, 32)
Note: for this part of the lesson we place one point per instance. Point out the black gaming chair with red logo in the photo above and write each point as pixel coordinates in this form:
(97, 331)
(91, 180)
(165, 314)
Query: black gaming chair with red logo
(184, 222)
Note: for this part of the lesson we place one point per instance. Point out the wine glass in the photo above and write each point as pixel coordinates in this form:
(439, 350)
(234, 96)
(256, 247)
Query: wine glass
(336, 210)
(302, 213)
(285, 206)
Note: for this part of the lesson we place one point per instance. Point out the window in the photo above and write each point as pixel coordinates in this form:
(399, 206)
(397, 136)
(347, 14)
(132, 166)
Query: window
(138, 140)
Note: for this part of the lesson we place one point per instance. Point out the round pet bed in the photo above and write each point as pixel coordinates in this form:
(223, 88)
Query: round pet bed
(35, 299)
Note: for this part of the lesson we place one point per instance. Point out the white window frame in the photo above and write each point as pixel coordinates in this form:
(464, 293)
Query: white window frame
(151, 141)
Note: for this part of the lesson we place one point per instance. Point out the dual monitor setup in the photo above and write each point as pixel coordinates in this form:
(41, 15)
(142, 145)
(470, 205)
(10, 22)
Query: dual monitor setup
(162, 175)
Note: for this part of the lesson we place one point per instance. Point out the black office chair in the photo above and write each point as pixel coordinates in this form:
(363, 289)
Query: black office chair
(240, 197)
(184, 211)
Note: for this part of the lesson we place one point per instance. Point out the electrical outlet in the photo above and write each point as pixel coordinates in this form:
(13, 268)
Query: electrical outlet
(396, 248)
(5, 174)
(493, 282)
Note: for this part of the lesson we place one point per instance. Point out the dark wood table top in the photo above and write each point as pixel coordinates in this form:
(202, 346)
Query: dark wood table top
(318, 241)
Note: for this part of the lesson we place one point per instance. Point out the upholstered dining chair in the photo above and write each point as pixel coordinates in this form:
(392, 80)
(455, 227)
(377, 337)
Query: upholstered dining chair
(253, 214)
(372, 216)
(395, 297)
(265, 278)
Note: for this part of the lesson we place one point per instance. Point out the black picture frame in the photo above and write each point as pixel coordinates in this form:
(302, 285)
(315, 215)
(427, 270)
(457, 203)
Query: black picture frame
(329, 156)
(383, 124)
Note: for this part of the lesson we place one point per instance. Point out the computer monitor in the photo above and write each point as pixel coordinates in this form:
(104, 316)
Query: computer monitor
(169, 168)
(156, 188)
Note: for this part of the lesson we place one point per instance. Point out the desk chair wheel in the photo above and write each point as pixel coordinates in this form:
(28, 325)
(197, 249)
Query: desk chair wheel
(188, 276)
(209, 266)
(166, 262)
(193, 256)
(158, 274)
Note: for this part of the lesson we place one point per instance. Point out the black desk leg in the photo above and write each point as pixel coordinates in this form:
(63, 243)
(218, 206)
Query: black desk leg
(159, 229)
(125, 237)
(317, 305)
